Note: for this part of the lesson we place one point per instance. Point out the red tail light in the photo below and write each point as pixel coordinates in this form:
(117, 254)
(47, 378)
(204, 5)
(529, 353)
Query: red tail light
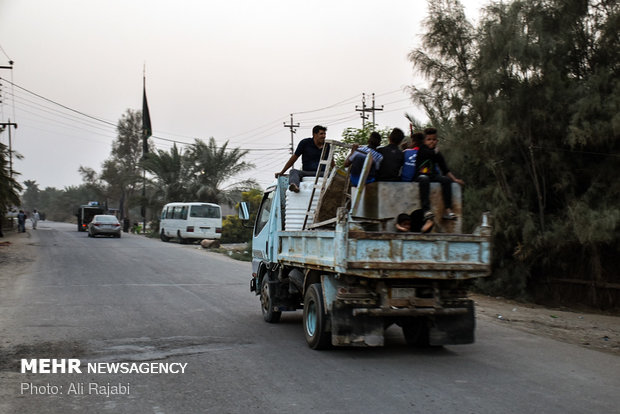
(218, 230)
(190, 229)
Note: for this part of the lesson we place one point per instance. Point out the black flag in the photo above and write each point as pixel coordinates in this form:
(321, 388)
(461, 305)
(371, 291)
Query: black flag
(147, 131)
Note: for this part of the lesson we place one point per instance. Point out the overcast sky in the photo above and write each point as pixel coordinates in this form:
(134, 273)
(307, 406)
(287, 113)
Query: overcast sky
(233, 70)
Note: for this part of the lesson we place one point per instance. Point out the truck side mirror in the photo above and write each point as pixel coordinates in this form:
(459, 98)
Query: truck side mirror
(244, 211)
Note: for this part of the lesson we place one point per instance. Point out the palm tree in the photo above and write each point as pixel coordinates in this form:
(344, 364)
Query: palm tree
(170, 171)
(9, 188)
(212, 167)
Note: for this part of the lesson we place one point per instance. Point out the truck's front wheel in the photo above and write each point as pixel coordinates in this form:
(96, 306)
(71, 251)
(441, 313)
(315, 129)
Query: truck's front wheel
(269, 313)
(315, 318)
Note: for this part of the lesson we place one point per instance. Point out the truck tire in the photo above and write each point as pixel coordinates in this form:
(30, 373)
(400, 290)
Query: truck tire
(266, 293)
(315, 318)
(181, 239)
(416, 332)
(163, 236)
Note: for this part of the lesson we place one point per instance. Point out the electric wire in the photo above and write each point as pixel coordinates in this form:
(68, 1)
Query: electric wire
(277, 156)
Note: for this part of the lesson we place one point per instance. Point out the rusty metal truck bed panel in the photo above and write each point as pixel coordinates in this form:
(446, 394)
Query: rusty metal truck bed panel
(386, 254)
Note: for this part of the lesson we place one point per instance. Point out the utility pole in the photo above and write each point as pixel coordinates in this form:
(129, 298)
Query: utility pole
(9, 124)
(364, 109)
(14, 125)
(292, 126)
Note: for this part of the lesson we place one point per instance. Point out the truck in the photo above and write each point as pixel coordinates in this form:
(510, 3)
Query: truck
(86, 212)
(332, 250)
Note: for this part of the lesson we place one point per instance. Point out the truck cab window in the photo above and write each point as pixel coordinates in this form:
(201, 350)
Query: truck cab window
(263, 212)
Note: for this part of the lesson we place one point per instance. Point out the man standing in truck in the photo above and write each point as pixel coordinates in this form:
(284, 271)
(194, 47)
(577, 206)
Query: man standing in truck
(309, 149)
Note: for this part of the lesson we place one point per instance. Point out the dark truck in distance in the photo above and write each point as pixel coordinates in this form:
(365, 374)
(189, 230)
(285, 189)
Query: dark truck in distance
(86, 212)
(333, 250)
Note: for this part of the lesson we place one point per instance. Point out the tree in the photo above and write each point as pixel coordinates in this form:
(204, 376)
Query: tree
(31, 197)
(211, 167)
(171, 173)
(9, 188)
(528, 105)
(233, 229)
(123, 171)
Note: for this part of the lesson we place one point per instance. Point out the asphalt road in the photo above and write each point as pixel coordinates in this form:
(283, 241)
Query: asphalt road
(138, 300)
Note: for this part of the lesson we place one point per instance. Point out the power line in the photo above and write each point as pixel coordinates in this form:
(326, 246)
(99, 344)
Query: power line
(7, 56)
(327, 107)
(158, 137)
(59, 104)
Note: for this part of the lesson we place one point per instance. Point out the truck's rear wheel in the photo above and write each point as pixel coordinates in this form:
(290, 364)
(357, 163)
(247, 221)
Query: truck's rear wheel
(315, 318)
(269, 313)
(416, 332)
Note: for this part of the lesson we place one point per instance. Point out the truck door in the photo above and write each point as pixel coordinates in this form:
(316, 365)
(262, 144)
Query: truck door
(263, 235)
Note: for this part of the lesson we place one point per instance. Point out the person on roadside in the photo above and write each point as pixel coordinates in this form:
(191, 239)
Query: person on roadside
(310, 150)
(35, 218)
(21, 222)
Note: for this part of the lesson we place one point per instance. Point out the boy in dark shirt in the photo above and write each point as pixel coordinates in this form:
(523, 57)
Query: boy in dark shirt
(392, 157)
(427, 162)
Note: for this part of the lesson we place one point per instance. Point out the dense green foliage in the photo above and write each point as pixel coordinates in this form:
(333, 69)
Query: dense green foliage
(236, 231)
(55, 204)
(528, 108)
(9, 187)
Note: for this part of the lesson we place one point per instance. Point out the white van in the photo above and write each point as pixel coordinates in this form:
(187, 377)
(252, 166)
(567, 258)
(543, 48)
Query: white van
(190, 221)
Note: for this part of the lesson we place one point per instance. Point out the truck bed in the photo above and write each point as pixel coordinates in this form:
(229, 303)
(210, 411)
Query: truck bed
(374, 254)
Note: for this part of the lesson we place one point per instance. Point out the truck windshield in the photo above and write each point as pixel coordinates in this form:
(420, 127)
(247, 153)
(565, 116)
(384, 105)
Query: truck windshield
(205, 211)
(263, 213)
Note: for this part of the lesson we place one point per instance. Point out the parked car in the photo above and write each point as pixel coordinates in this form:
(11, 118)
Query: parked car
(104, 224)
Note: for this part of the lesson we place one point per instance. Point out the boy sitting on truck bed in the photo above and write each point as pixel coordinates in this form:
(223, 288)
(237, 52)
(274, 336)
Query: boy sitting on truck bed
(427, 161)
(414, 222)
(357, 157)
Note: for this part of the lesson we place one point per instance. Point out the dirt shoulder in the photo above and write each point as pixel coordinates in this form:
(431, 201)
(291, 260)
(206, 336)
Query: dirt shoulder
(18, 251)
(589, 330)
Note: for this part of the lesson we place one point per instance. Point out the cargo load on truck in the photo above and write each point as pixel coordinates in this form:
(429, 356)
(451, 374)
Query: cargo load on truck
(333, 250)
